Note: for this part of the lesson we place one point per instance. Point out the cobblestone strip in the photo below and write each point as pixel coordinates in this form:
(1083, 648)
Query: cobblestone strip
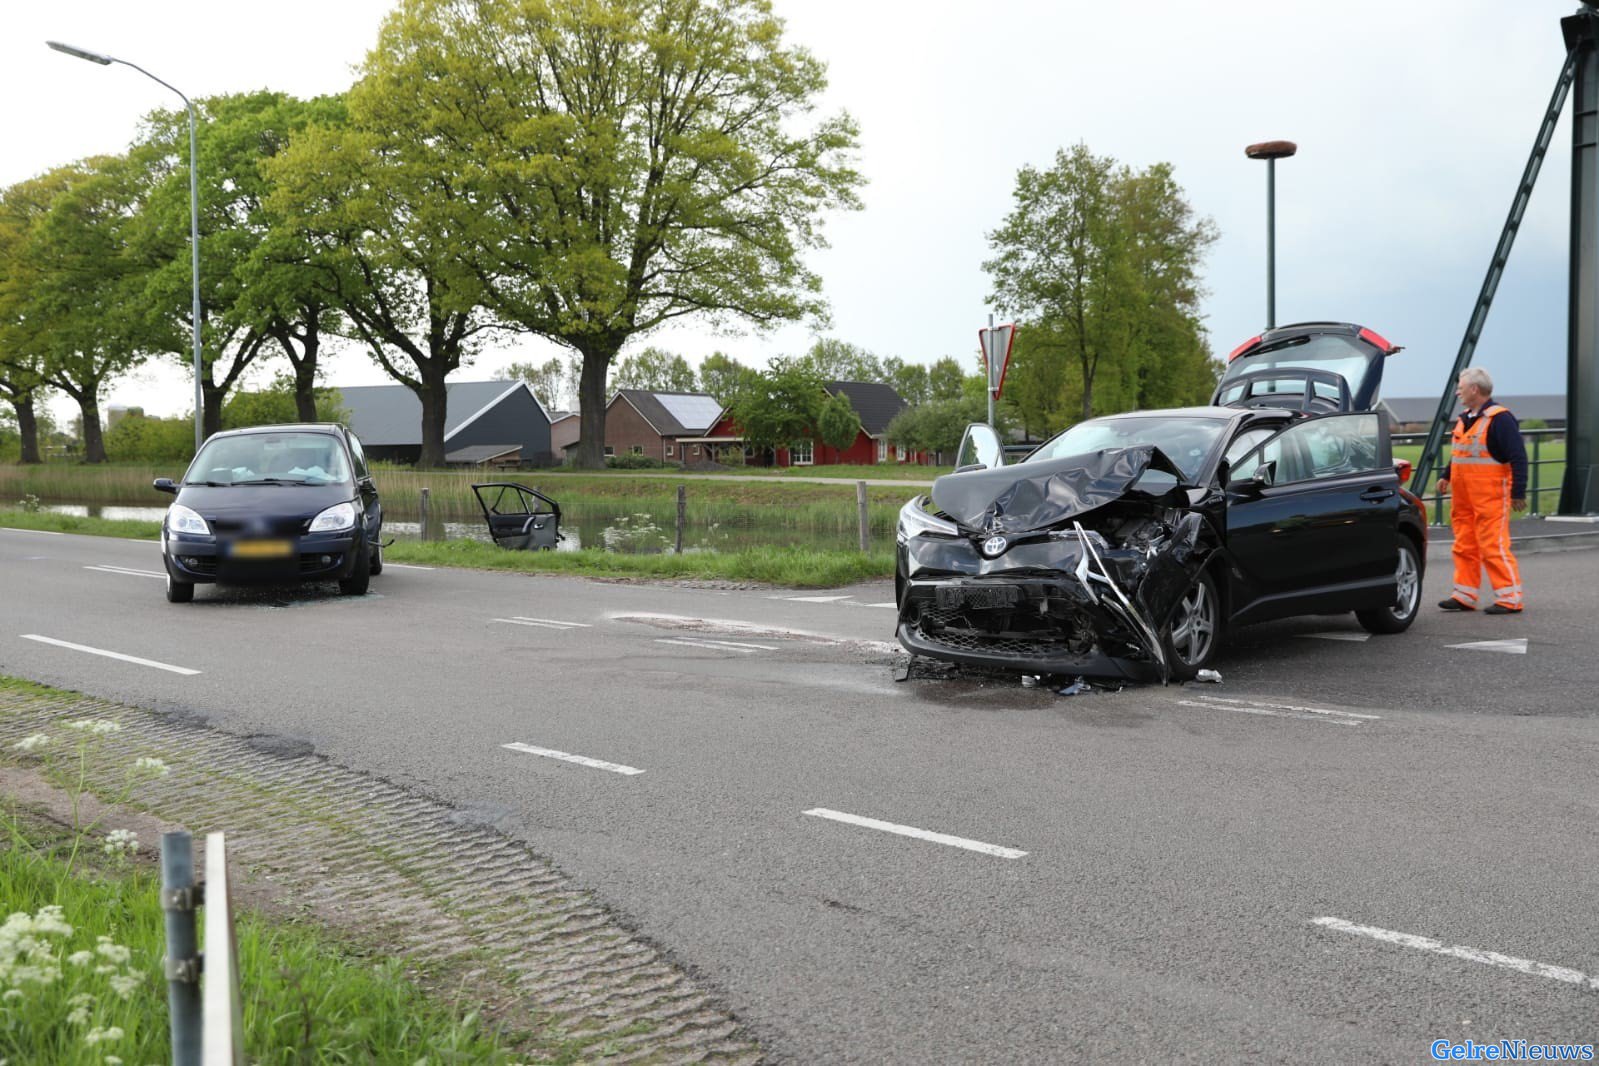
(383, 860)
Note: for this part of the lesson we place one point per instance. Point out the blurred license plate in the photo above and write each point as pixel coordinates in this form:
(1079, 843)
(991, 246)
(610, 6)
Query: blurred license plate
(957, 596)
(260, 549)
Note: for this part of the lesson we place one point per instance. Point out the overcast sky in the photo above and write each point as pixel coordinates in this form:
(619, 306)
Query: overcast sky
(1414, 119)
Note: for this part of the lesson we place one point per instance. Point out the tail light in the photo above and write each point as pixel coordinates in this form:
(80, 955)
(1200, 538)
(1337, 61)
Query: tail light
(1404, 469)
(1244, 347)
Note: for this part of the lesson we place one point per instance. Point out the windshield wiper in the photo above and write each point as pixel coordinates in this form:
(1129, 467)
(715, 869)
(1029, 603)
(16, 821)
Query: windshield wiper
(210, 484)
(275, 481)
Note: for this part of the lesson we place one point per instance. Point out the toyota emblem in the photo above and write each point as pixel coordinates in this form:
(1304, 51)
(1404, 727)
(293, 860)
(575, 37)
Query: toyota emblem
(994, 546)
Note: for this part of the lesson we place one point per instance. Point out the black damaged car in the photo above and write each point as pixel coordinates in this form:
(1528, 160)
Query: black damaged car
(1128, 545)
(273, 504)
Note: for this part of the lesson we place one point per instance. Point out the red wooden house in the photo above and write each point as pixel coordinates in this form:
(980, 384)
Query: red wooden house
(876, 405)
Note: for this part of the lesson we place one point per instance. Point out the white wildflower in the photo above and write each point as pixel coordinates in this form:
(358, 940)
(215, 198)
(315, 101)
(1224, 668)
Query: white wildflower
(153, 767)
(78, 1016)
(82, 999)
(81, 958)
(121, 842)
(112, 1060)
(95, 726)
(106, 1035)
(12, 994)
(115, 952)
(124, 984)
(32, 742)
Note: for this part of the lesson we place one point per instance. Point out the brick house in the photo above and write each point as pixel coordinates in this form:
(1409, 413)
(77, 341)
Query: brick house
(874, 403)
(639, 422)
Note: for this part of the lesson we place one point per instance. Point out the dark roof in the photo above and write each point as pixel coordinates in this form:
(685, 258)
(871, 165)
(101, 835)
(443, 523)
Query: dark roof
(662, 410)
(877, 404)
(1412, 409)
(481, 453)
(387, 415)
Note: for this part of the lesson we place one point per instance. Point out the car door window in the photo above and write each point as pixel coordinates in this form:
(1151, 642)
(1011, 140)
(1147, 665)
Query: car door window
(1245, 442)
(358, 457)
(1321, 448)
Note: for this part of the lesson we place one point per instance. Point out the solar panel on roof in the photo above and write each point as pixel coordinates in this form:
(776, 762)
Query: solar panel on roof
(694, 412)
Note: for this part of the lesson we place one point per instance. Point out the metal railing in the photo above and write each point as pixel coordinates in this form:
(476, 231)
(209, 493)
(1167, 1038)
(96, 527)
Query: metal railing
(1539, 482)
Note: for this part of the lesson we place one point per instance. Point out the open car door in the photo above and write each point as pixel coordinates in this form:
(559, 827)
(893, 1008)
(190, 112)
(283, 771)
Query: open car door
(518, 517)
(1322, 367)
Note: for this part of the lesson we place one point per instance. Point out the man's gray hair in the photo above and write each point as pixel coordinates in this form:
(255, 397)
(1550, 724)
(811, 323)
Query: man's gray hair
(1476, 375)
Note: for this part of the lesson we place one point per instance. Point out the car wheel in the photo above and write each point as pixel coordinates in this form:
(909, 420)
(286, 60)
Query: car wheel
(377, 558)
(179, 591)
(1396, 618)
(360, 575)
(1194, 634)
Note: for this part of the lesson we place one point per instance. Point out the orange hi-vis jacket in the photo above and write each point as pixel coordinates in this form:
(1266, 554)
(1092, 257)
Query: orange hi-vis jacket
(1479, 486)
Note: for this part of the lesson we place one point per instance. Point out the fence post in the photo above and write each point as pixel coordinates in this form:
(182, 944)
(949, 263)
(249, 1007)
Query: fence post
(179, 897)
(860, 507)
(682, 515)
(1533, 502)
(423, 527)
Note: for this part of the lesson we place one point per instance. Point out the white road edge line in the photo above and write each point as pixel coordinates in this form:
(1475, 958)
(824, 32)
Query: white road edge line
(555, 622)
(1460, 951)
(125, 571)
(109, 654)
(46, 532)
(920, 834)
(409, 566)
(811, 599)
(1292, 707)
(527, 622)
(581, 760)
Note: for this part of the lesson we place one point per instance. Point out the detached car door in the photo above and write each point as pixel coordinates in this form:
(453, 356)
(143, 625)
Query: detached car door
(1319, 533)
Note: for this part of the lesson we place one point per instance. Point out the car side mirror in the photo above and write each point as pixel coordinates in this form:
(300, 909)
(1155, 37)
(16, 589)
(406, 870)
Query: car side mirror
(164, 484)
(980, 448)
(1257, 482)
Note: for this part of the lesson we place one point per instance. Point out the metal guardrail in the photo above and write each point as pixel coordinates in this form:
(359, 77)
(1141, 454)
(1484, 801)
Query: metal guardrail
(206, 1017)
(1537, 487)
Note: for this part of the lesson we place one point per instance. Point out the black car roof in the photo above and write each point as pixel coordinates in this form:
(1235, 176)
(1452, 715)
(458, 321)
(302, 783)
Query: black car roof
(288, 427)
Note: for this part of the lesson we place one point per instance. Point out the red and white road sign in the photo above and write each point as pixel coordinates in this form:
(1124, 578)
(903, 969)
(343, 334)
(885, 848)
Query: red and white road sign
(996, 342)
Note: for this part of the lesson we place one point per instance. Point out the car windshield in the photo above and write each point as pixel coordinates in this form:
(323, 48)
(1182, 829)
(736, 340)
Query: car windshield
(270, 458)
(1185, 441)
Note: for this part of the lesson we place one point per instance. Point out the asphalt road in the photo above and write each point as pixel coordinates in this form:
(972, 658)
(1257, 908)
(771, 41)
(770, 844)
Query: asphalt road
(1435, 805)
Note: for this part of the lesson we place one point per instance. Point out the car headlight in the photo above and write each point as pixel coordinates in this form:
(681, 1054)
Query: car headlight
(339, 516)
(915, 521)
(181, 519)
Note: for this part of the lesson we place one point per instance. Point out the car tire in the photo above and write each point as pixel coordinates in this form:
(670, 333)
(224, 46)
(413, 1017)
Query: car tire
(1396, 617)
(360, 575)
(1189, 649)
(179, 591)
(377, 559)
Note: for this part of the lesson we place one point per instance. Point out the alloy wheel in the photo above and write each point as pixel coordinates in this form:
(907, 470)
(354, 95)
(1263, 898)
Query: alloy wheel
(1194, 626)
(1407, 576)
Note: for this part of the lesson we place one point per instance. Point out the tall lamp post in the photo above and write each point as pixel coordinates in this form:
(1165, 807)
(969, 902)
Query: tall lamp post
(1271, 151)
(194, 221)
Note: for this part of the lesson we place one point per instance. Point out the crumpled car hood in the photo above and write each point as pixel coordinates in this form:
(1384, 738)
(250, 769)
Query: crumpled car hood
(1020, 499)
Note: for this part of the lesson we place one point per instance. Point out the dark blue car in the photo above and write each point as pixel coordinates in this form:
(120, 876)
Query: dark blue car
(273, 504)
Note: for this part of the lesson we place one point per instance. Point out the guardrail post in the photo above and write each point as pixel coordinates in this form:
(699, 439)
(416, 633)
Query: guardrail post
(422, 528)
(179, 897)
(860, 507)
(682, 515)
(1537, 439)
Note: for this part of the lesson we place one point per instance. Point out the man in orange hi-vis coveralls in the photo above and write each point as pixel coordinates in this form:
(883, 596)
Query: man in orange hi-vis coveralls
(1487, 479)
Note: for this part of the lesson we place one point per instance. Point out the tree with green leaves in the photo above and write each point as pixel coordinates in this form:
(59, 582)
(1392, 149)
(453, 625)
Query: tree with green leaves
(908, 379)
(74, 293)
(1102, 264)
(655, 370)
(936, 427)
(553, 381)
(723, 376)
(832, 359)
(785, 405)
(615, 165)
(945, 379)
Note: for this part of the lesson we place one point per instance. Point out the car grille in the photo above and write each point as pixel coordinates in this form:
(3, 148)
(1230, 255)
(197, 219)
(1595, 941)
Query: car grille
(954, 629)
(202, 564)
(277, 527)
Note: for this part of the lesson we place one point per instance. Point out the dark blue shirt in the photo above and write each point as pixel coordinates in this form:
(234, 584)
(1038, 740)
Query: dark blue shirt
(1505, 445)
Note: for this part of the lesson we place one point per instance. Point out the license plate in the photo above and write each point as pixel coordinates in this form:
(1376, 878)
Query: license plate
(261, 549)
(956, 596)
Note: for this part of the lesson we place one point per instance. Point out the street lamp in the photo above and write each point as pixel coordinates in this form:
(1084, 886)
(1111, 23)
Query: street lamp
(194, 221)
(1271, 151)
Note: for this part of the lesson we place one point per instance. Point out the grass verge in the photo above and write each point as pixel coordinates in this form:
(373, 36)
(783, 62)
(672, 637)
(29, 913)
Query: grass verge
(92, 991)
(790, 567)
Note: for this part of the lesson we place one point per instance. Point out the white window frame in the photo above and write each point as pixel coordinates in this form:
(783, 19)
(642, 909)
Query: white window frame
(882, 450)
(669, 451)
(803, 454)
(610, 450)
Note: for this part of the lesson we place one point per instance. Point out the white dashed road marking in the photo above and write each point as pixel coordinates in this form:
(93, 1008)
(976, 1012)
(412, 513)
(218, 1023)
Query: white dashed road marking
(1279, 710)
(542, 623)
(46, 532)
(1459, 951)
(581, 760)
(109, 654)
(716, 645)
(811, 599)
(919, 834)
(1518, 646)
(126, 571)
(1339, 634)
(409, 566)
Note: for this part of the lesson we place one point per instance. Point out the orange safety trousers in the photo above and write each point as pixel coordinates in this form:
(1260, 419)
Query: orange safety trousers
(1479, 486)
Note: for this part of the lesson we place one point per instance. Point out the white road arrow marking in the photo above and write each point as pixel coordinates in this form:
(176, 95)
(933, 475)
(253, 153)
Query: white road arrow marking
(1459, 951)
(1517, 646)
